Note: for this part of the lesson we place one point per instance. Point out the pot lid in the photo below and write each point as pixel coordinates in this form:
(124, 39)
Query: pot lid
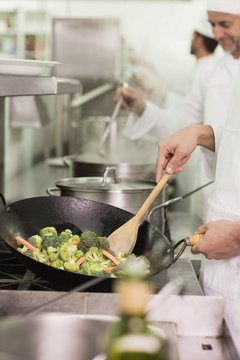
(96, 184)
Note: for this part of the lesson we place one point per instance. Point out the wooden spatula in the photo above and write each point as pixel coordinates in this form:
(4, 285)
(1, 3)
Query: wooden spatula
(124, 238)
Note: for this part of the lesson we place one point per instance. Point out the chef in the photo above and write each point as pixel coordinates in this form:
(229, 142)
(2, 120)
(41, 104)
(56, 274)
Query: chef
(220, 270)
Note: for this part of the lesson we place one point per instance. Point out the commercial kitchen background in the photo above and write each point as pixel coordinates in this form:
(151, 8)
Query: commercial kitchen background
(156, 39)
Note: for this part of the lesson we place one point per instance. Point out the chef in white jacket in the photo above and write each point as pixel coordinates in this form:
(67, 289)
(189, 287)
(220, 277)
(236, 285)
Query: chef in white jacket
(220, 270)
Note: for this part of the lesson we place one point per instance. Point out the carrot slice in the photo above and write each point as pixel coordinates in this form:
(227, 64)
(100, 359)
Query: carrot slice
(80, 261)
(110, 256)
(25, 243)
(74, 242)
(109, 269)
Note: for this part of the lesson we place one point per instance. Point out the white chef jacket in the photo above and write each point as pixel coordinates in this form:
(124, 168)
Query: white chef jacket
(222, 277)
(206, 101)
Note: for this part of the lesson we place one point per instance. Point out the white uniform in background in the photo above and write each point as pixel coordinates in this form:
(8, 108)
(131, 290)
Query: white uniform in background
(207, 101)
(222, 277)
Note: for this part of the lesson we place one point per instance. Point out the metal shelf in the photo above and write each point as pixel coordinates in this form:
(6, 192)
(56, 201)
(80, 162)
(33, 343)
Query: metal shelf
(19, 85)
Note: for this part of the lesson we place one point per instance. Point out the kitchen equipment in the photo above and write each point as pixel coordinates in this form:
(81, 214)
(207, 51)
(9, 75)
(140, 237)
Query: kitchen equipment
(94, 165)
(124, 238)
(110, 130)
(127, 194)
(28, 216)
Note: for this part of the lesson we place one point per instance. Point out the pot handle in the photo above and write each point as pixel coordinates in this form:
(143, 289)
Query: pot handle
(163, 205)
(67, 159)
(106, 175)
(51, 191)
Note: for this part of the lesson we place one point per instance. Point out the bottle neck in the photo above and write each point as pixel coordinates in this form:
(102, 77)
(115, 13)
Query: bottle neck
(133, 297)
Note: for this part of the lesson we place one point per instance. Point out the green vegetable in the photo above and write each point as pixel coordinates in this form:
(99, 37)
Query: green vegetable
(71, 266)
(92, 268)
(103, 243)
(48, 231)
(88, 239)
(53, 253)
(91, 255)
(58, 263)
(41, 257)
(36, 241)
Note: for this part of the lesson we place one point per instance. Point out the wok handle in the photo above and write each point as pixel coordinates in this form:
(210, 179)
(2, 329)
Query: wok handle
(51, 191)
(188, 241)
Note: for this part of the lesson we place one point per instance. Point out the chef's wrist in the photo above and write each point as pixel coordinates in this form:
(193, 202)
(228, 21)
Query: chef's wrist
(139, 107)
(205, 136)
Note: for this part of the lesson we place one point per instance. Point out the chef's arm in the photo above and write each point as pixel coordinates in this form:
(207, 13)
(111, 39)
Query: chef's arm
(132, 100)
(221, 239)
(176, 150)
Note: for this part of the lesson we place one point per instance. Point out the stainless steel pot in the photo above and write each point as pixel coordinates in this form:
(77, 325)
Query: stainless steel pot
(95, 165)
(127, 194)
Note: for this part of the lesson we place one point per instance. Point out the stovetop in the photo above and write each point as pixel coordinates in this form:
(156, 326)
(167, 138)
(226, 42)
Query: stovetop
(15, 276)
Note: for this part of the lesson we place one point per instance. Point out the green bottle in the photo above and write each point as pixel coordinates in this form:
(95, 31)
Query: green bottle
(131, 338)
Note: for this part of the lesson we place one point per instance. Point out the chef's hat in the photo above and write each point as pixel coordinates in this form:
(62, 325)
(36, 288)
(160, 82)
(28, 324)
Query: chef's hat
(224, 6)
(203, 26)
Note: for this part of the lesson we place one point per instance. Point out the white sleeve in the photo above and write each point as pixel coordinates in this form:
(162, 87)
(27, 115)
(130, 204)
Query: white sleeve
(210, 157)
(164, 122)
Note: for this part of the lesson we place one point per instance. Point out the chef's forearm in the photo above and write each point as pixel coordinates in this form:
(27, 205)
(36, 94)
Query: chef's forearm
(205, 136)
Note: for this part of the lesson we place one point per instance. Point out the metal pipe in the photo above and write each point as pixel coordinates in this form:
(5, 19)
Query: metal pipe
(83, 99)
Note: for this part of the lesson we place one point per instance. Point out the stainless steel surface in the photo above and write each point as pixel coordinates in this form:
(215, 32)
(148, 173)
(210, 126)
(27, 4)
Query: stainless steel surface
(18, 85)
(13, 85)
(94, 45)
(84, 98)
(94, 165)
(194, 326)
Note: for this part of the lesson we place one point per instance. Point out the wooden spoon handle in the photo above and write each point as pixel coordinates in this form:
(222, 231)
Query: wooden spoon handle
(194, 239)
(152, 197)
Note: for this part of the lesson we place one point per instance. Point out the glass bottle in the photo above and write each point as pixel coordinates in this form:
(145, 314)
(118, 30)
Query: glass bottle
(131, 338)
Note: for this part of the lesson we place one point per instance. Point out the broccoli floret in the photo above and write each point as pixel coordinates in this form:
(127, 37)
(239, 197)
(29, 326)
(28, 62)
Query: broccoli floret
(71, 266)
(143, 260)
(103, 243)
(52, 253)
(94, 254)
(51, 240)
(88, 239)
(48, 231)
(67, 251)
(36, 241)
(65, 236)
(58, 263)
(41, 257)
(132, 266)
(92, 268)
(78, 254)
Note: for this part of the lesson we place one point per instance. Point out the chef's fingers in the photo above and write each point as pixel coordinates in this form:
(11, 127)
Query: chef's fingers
(163, 160)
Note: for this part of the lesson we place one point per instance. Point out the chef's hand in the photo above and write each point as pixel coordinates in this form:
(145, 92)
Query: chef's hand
(221, 240)
(132, 100)
(175, 151)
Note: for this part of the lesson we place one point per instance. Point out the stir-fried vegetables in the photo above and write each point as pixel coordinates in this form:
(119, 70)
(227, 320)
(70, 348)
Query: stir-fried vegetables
(85, 253)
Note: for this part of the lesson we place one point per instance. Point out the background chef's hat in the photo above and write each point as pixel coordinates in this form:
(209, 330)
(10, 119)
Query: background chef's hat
(203, 26)
(225, 6)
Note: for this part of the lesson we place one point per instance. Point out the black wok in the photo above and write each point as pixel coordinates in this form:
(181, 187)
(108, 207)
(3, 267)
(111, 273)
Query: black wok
(26, 217)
